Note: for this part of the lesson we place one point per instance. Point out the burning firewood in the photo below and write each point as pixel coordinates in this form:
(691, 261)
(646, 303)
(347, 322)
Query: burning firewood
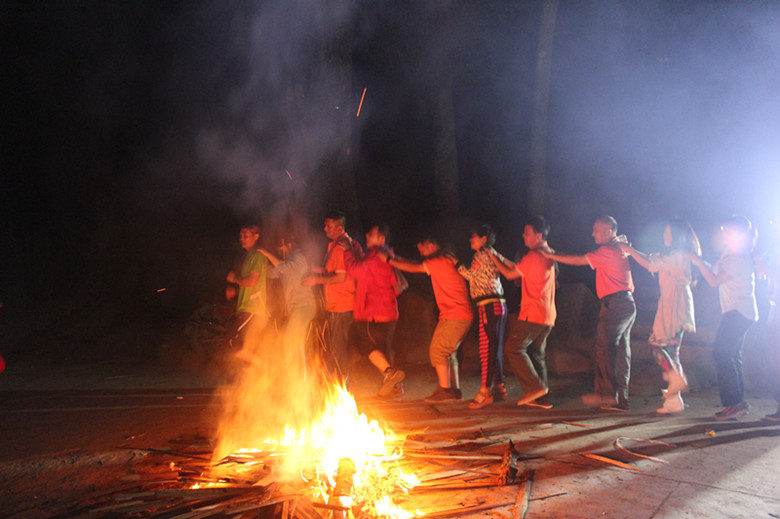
(509, 465)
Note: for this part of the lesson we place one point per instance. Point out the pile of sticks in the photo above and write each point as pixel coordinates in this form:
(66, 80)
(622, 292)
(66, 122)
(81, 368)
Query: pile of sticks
(443, 473)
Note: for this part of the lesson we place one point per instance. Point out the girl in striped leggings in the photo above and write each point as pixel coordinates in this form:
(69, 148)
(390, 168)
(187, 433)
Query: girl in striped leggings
(487, 293)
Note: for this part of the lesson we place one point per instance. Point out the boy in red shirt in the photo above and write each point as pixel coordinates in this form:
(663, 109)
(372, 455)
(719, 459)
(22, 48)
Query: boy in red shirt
(339, 291)
(376, 309)
(526, 339)
(455, 314)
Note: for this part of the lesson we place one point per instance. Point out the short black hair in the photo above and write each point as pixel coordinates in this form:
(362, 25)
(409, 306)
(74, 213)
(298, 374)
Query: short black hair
(338, 216)
(430, 239)
(540, 225)
(252, 226)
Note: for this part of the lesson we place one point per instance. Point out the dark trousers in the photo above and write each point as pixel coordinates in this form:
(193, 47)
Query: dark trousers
(368, 337)
(727, 352)
(613, 345)
(773, 334)
(524, 348)
(337, 357)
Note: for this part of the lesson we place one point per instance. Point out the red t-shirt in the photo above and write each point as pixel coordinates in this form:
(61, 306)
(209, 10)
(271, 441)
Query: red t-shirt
(537, 303)
(449, 288)
(339, 297)
(613, 273)
(375, 297)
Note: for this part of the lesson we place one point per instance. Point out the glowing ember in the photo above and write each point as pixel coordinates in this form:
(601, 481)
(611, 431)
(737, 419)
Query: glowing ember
(361, 101)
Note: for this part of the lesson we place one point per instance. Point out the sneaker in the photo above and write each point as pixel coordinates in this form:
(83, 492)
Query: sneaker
(397, 392)
(392, 378)
(774, 417)
(732, 412)
(532, 396)
(728, 410)
(499, 392)
(673, 404)
(442, 395)
(483, 398)
(543, 402)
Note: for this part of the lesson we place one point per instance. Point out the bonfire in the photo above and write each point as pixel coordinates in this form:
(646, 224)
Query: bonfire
(283, 424)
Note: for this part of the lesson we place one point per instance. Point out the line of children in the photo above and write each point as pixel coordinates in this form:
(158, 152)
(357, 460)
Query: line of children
(361, 289)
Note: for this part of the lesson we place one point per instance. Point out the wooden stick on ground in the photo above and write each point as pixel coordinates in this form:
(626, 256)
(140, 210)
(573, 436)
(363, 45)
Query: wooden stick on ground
(520, 507)
(611, 461)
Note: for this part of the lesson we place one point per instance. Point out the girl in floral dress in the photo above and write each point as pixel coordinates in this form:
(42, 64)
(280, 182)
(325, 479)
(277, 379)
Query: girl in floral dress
(674, 315)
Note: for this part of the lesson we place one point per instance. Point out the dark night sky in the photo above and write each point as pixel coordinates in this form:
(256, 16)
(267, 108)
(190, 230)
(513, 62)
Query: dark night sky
(137, 135)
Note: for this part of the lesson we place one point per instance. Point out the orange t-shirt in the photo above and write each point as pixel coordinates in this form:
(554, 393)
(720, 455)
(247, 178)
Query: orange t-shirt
(537, 303)
(339, 297)
(449, 288)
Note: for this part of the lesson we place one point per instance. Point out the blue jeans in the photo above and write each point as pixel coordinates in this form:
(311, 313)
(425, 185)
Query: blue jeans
(613, 345)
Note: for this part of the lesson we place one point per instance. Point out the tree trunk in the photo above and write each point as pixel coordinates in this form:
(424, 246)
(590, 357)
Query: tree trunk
(344, 192)
(536, 181)
(445, 161)
(332, 89)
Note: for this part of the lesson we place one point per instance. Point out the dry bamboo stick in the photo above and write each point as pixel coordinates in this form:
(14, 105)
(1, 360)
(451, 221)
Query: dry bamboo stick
(576, 423)
(169, 453)
(496, 457)
(611, 461)
(475, 470)
(455, 512)
(559, 494)
(215, 506)
(442, 474)
(115, 507)
(464, 486)
(206, 493)
(235, 507)
(462, 450)
(618, 446)
(304, 510)
(135, 495)
(327, 506)
(155, 477)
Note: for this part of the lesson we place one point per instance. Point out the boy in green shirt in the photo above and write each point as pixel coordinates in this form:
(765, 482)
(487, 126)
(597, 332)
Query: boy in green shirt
(251, 310)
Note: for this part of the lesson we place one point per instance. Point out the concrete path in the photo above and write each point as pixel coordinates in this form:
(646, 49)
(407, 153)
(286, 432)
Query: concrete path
(695, 467)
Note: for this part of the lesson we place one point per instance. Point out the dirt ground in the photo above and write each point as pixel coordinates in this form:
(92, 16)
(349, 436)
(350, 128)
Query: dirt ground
(75, 434)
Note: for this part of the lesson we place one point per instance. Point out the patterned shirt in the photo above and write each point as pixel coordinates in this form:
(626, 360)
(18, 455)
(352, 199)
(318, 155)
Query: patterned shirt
(483, 277)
